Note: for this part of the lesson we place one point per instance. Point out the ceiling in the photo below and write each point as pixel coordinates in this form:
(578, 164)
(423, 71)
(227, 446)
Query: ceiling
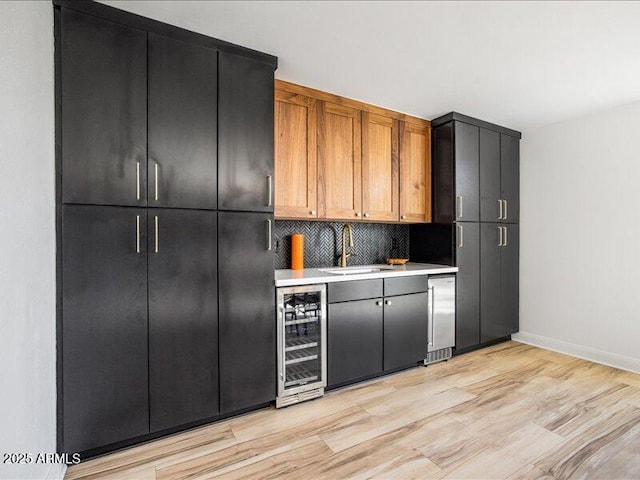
(518, 64)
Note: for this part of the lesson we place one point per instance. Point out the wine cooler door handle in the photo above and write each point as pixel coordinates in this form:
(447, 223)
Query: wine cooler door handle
(282, 350)
(430, 318)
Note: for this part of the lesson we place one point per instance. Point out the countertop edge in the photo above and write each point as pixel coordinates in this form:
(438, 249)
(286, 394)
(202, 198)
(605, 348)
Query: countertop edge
(320, 277)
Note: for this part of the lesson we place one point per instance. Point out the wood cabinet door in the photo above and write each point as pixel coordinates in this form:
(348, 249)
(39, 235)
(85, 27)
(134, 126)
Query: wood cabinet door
(467, 236)
(379, 168)
(510, 177)
(339, 162)
(104, 111)
(415, 173)
(105, 394)
(183, 316)
(467, 172)
(295, 181)
(183, 115)
(405, 330)
(247, 311)
(245, 134)
(354, 340)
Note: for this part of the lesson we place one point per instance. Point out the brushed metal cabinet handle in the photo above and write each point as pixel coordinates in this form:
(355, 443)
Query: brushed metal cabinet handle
(388, 302)
(269, 190)
(430, 317)
(312, 212)
(500, 206)
(403, 217)
(500, 232)
(505, 237)
(269, 235)
(506, 210)
(156, 182)
(379, 303)
(157, 234)
(460, 201)
(461, 234)
(137, 180)
(367, 215)
(358, 214)
(284, 341)
(137, 233)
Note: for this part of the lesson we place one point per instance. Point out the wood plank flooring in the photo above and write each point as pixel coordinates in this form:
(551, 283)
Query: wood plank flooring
(511, 411)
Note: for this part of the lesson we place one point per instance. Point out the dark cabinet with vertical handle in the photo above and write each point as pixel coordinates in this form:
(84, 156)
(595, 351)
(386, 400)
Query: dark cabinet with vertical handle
(467, 250)
(499, 281)
(245, 142)
(183, 316)
(183, 115)
(104, 336)
(510, 178)
(246, 310)
(491, 206)
(103, 123)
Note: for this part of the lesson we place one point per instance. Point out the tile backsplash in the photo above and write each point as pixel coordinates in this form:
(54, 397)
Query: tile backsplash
(374, 242)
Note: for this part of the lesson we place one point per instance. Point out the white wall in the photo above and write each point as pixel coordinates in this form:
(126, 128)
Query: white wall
(580, 237)
(27, 236)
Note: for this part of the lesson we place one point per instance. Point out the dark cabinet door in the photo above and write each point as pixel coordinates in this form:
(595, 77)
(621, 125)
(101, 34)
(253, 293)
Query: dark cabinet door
(246, 311)
(245, 128)
(510, 177)
(183, 316)
(467, 172)
(490, 195)
(491, 313)
(183, 116)
(104, 331)
(443, 173)
(467, 284)
(510, 280)
(104, 111)
(405, 330)
(354, 340)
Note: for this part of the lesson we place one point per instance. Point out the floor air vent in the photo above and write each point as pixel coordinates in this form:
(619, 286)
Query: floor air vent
(438, 356)
(298, 397)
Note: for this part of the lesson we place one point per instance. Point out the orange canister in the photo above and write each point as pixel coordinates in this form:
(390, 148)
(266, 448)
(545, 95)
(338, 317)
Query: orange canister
(297, 251)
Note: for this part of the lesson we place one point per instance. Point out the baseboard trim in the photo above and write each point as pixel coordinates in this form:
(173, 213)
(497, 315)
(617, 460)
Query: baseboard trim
(615, 360)
(56, 471)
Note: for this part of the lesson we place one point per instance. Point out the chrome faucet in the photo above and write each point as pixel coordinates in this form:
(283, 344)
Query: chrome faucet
(343, 258)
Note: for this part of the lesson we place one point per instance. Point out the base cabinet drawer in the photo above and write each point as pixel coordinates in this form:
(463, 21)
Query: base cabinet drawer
(355, 339)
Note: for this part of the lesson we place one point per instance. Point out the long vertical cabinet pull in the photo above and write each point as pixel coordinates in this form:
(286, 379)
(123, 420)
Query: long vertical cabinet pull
(269, 191)
(500, 205)
(461, 233)
(505, 237)
(500, 233)
(269, 235)
(137, 233)
(460, 201)
(430, 317)
(137, 180)
(157, 234)
(506, 204)
(156, 181)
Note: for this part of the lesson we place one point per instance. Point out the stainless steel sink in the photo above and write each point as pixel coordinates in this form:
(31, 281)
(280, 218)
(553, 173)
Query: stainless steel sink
(355, 270)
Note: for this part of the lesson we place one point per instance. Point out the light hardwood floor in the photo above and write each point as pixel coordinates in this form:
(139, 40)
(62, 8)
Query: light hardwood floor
(511, 411)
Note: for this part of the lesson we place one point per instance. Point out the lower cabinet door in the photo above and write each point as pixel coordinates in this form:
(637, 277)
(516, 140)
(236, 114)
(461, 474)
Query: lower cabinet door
(105, 396)
(354, 340)
(491, 313)
(467, 284)
(183, 316)
(405, 330)
(510, 281)
(247, 311)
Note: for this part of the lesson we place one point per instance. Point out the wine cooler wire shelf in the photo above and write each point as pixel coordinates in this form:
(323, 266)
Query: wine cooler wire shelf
(299, 375)
(301, 355)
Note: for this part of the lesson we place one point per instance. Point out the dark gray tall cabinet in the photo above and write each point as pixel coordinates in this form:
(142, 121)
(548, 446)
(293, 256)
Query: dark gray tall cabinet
(165, 302)
(475, 214)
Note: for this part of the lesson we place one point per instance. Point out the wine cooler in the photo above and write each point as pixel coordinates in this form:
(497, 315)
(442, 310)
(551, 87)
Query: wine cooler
(302, 343)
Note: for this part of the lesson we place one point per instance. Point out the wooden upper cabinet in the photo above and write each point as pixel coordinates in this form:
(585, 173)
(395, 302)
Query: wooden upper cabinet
(379, 168)
(339, 162)
(295, 156)
(415, 172)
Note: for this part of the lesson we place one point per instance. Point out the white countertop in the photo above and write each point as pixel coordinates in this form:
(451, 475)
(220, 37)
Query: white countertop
(288, 278)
